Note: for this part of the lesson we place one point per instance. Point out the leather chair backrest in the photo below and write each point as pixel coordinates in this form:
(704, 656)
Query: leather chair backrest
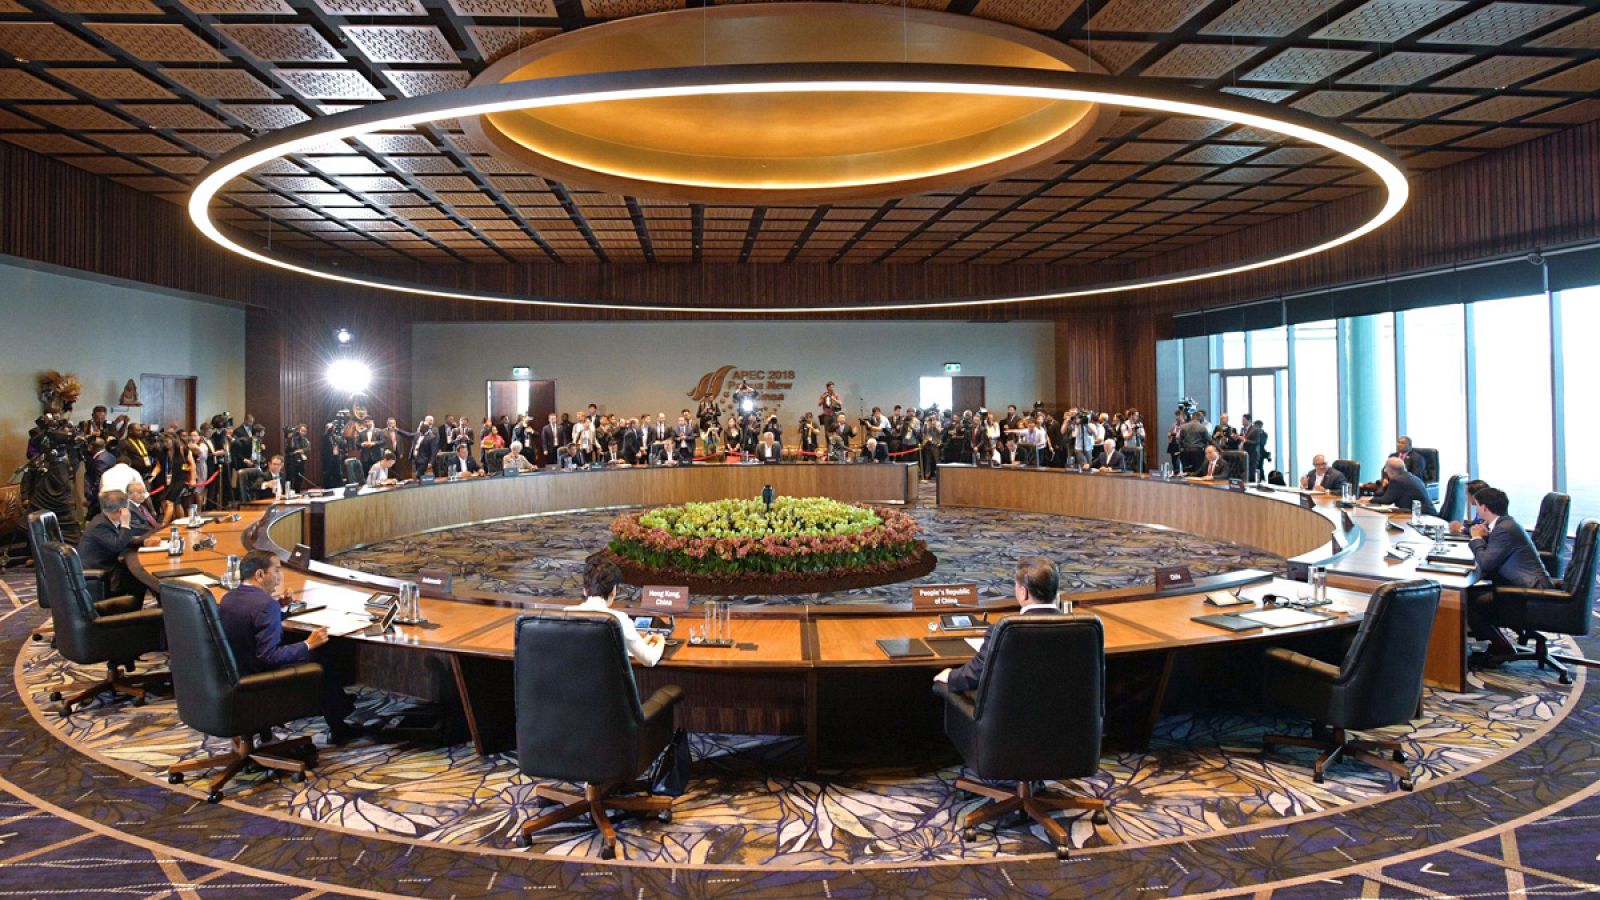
(43, 527)
(1578, 580)
(71, 607)
(495, 460)
(1430, 464)
(1351, 471)
(440, 462)
(577, 705)
(1381, 674)
(204, 674)
(354, 472)
(1550, 530)
(1040, 701)
(1453, 499)
(250, 481)
(1238, 461)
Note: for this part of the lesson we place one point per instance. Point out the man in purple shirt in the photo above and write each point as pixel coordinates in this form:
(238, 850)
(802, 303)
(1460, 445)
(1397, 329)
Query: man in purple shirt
(252, 620)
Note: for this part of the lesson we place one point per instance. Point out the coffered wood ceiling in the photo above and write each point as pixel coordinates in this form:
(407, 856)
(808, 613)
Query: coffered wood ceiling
(147, 92)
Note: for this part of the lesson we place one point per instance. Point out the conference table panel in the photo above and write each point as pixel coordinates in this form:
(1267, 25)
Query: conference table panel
(1269, 523)
(344, 523)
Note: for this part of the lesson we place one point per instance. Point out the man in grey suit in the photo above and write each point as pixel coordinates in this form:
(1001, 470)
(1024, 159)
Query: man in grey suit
(1323, 477)
(1193, 439)
(1036, 583)
(1504, 555)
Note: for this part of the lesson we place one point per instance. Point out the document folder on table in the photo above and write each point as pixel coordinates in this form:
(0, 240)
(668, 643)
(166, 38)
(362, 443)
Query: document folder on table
(903, 648)
(1228, 622)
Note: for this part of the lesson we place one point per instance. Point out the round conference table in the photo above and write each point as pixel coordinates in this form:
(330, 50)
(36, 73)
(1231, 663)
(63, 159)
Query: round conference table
(817, 670)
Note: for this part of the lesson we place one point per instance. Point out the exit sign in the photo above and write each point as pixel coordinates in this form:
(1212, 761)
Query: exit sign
(952, 368)
(521, 372)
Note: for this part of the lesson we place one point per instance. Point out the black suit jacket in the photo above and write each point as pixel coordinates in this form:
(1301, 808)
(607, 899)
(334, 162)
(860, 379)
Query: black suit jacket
(103, 543)
(1224, 469)
(1402, 491)
(966, 677)
(771, 454)
(1332, 482)
(1100, 461)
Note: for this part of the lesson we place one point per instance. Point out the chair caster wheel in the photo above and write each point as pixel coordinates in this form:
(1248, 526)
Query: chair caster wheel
(214, 797)
(1099, 817)
(664, 816)
(1565, 678)
(969, 834)
(1318, 778)
(1407, 784)
(55, 696)
(1063, 854)
(174, 778)
(138, 701)
(609, 851)
(1399, 756)
(297, 777)
(524, 841)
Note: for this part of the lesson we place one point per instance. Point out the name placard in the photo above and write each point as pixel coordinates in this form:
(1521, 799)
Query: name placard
(300, 559)
(1173, 577)
(434, 582)
(943, 596)
(659, 598)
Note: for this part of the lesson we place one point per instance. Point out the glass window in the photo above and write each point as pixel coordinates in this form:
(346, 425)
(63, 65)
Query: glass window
(1230, 351)
(1269, 348)
(1512, 344)
(1436, 384)
(935, 390)
(1580, 316)
(1314, 349)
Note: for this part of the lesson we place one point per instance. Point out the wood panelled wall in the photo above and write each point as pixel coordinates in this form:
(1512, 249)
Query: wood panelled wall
(1540, 193)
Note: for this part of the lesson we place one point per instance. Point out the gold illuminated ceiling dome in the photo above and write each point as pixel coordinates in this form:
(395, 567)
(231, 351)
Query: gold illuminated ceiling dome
(798, 147)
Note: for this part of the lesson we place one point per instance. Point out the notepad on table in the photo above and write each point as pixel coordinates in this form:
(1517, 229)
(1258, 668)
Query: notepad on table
(903, 648)
(155, 548)
(338, 622)
(199, 580)
(1283, 618)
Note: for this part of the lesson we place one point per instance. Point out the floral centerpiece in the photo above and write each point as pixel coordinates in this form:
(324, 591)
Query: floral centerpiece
(801, 536)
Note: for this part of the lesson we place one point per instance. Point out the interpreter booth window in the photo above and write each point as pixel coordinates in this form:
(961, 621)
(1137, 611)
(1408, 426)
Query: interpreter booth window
(1580, 322)
(935, 390)
(1511, 342)
(1314, 355)
(1434, 350)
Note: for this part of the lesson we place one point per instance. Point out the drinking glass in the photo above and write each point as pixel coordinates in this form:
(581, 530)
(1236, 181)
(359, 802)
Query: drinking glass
(1166, 471)
(1416, 513)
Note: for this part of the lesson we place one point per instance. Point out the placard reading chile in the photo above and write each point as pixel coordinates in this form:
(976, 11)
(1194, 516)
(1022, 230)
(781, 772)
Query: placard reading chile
(943, 596)
(655, 597)
(1174, 576)
(434, 582)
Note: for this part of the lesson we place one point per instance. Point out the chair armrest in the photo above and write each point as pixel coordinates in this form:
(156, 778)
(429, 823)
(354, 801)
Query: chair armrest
(112, 606)
(147, 616)
(1526, 594)
(278, 679)
(960, 701)
(95, 581)
(662, 701)
(1303, 664)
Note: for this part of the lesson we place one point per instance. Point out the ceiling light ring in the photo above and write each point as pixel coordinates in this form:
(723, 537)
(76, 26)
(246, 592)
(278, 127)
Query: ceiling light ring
(800, 77)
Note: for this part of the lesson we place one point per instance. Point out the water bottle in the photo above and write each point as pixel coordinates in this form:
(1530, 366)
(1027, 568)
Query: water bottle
(1166, 471)
(1319, 585)
(194, 516)
(175, 542)
(1416, 513)
(230, 575)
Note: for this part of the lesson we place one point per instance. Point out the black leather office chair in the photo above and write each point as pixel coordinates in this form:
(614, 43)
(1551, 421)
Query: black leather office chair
(494, 461)
(214, 699)
(1351, 471)
(115, 631)
(1566, 608)
(441, 461)
(579, 720)
(1378, 683)
(1550, 532)
(1036, 714)
(247, 483)
(1238, 463)
(354, 472)
(1453, 499)
(44, 527)
(1430, 470)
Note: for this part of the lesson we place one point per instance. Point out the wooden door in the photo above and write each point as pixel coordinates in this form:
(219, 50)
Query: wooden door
(966, 392)
(167, 399)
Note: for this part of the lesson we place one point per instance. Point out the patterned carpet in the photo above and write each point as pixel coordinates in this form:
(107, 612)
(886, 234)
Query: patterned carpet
(746, 805)
(543, 556)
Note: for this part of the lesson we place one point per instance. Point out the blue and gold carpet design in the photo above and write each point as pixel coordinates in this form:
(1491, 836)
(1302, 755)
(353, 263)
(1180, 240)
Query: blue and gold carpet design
(543, 556)
(746, 804)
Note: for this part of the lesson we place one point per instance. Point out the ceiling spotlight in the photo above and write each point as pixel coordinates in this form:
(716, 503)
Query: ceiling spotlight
(344, 336)
(347, 376)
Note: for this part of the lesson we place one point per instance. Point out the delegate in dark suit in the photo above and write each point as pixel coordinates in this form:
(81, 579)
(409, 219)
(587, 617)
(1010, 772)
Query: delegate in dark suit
(102, 545)
(1333, 481)
(1102, 461)
(253, 623)
(1405, 488)
(1507, 556)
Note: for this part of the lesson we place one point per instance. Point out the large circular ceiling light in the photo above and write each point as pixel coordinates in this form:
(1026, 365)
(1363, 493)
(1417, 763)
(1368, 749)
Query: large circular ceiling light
(953, 82)
(812, 147)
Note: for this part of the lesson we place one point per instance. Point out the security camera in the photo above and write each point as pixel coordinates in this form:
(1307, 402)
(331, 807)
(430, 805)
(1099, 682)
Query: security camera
(1535, 258)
